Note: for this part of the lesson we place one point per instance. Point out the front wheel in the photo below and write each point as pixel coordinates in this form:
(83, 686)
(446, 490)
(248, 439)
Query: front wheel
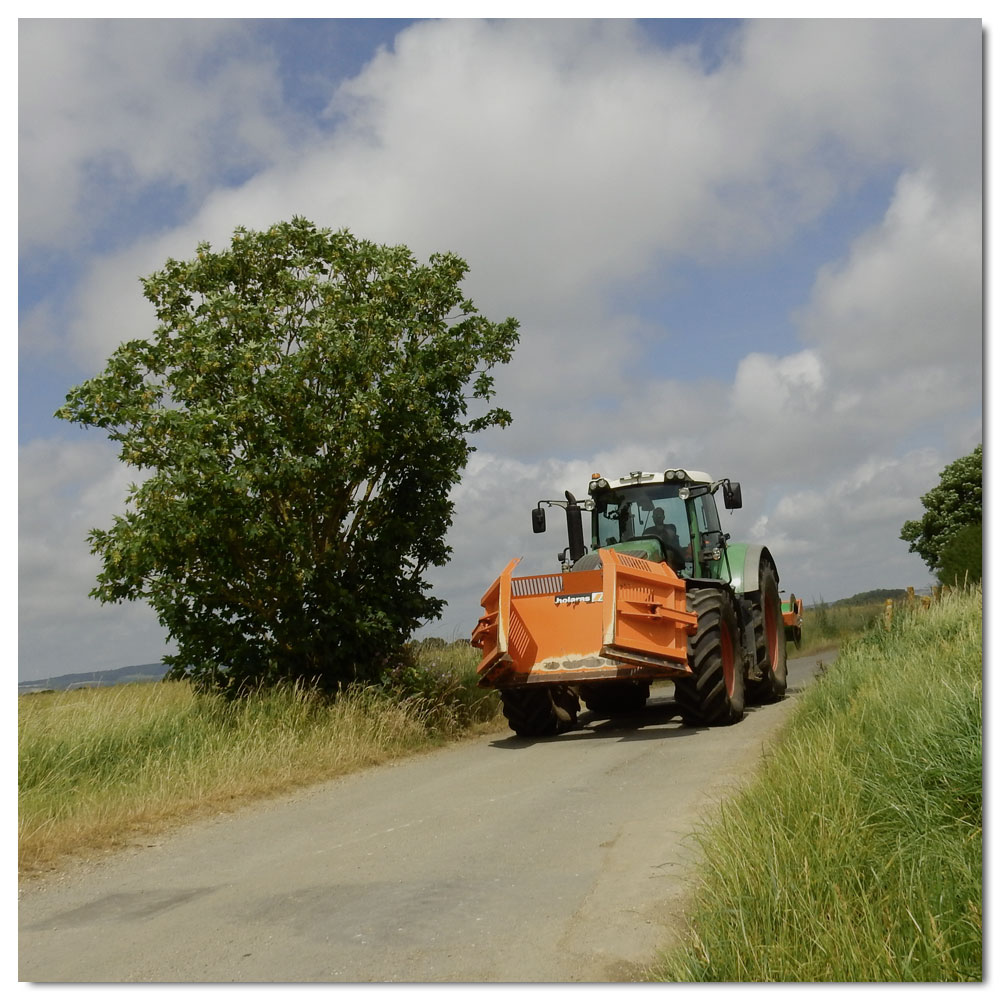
(540, 711)
(713, 696)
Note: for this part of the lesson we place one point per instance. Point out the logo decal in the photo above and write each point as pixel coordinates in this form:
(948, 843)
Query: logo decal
(594, 598)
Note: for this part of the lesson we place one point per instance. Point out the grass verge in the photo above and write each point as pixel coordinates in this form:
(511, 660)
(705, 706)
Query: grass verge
(856, 855)
(98, 766)
(826, 626)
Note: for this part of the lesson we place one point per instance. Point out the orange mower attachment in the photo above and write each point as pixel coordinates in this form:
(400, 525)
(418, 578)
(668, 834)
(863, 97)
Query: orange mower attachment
(627, 619)
(791, 615)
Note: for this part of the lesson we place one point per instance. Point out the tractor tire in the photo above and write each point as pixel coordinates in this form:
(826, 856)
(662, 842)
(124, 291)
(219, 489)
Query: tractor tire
(714, 695)
(615, 697)
(540, 711)
(769, 633)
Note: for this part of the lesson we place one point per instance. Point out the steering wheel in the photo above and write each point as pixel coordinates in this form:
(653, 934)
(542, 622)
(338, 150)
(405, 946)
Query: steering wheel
(671, 553)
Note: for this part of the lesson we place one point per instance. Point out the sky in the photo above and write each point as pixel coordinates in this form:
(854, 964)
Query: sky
(748, 247)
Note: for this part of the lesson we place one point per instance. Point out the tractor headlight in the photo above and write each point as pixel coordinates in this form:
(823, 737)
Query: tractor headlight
(683, 493)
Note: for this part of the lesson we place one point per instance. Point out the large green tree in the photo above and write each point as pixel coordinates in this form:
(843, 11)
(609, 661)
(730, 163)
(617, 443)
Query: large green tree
(300, 414)
(955, 503)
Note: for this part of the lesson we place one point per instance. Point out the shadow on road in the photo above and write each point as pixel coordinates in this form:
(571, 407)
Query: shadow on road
(658, 720)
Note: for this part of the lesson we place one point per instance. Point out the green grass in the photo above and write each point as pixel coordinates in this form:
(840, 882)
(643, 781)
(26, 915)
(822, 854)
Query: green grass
(856, 856)
(826, 626)
(99, 765)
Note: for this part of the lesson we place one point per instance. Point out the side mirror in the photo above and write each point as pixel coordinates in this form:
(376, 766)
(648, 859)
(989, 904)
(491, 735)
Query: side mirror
(732, 495)
(538, 520)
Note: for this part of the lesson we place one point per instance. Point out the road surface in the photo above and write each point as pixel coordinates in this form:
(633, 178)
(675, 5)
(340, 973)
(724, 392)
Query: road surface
(498, 860)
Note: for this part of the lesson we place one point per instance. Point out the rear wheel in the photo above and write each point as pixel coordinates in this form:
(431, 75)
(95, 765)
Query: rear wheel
(769, 632)
(540, 711)
(714, 695)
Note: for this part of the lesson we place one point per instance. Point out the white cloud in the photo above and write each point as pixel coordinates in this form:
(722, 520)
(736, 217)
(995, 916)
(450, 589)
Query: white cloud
(134, 103)
(66, 488)
(836, 533)
(852, 93)
(767, 387)
(909, 295)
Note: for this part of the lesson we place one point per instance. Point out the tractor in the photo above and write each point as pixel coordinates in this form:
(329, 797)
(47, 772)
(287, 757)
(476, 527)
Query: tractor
(661, 593)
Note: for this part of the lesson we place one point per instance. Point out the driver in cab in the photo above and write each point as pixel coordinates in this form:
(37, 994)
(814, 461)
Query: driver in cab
(667, 533)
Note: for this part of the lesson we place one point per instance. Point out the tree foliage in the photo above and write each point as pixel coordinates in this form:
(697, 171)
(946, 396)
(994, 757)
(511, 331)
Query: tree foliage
(955, 503)
(867, 597)
(300, 413)
(961, 559)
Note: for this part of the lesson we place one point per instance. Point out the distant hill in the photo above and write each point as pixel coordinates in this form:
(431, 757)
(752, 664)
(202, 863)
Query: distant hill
(869, 597)
(96, 678)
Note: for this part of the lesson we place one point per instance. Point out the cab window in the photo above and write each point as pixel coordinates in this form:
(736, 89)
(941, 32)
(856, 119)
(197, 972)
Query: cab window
(707, 516)
(654, 511)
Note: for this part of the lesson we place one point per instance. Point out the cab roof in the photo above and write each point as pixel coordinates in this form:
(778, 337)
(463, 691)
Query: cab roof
(668, 476)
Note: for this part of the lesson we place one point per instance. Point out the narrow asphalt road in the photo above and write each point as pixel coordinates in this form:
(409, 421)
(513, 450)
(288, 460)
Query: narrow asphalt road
(500, 860)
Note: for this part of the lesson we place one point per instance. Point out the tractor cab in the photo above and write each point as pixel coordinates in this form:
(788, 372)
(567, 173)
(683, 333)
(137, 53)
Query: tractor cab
(669, 517)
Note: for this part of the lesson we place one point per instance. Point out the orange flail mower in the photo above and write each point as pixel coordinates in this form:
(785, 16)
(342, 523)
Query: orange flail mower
(791, 614)
(538, 629)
